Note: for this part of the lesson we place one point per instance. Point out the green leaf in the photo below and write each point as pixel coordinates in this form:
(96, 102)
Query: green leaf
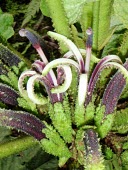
(61, 120)
(79, 115)
(32, 9)
(4, 133)
(121, 11)
(11, 79)
(103, 123)
(59, 19)
(44, 8)
(120, 124)
(74, 9)
(86, 17)
(51, 164)
(123, 49)
(6, 29)
(77, 40)
(27, 104)
(33, 158)
(55, 145)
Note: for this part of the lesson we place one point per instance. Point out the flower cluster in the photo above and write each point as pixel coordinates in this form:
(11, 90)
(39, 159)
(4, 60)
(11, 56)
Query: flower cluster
(42, 71)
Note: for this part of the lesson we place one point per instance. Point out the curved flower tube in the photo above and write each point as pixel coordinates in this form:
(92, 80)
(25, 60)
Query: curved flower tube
(71, 46)
(59, 62)
(29, 91)
(22, 77)
(101, 63)
(47, 71)
(83, 68)
(67, 82)
(36, 99)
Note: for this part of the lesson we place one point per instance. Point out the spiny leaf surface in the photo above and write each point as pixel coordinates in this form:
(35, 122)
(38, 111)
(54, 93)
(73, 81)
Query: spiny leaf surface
(22, 121)
(8, 95)
(8, 57)
(113, 91)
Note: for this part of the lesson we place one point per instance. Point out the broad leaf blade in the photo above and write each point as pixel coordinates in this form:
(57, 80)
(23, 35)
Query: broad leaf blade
(121, 11)
(6, 29)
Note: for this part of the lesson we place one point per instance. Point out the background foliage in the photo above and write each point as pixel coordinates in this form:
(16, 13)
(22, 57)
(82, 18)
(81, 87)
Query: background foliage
(110, 37)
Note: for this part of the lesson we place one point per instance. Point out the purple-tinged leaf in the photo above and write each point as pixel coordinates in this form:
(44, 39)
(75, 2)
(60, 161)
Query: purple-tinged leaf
(92, 149)
(93, 84)
(91, 143)
(113, 91)
(3, 69)
(22, 121)
(8, 56)
(8, 95)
